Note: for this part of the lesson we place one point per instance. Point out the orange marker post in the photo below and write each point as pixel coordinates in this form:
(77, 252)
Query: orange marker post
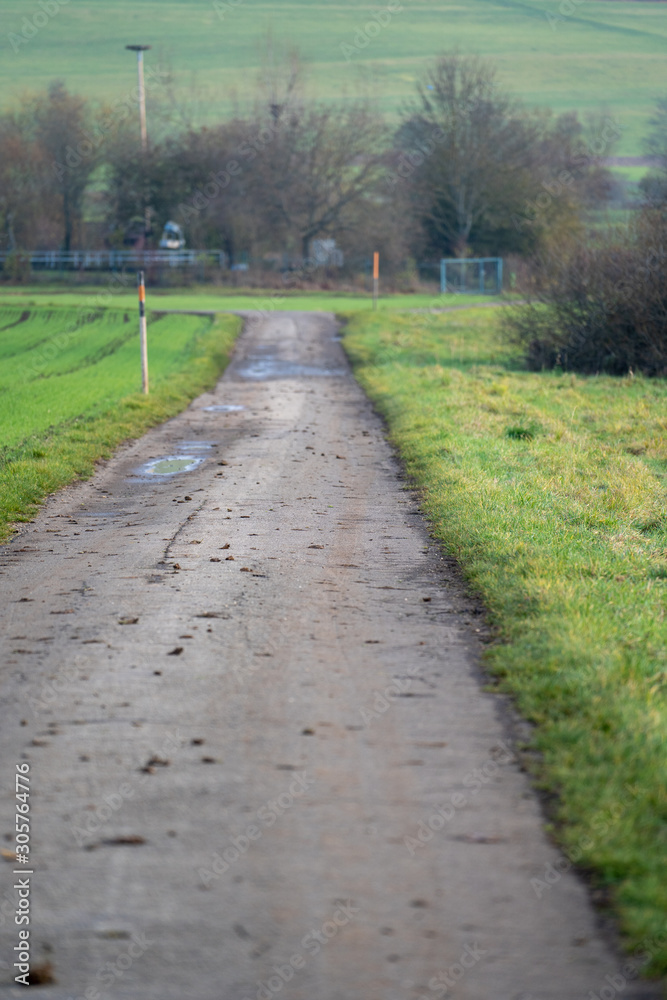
(143, 337)
(376, 278)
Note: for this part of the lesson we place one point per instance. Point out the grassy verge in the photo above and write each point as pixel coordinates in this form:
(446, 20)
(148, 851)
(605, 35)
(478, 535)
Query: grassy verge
(550, 491)
(69, 391)
(226, 299)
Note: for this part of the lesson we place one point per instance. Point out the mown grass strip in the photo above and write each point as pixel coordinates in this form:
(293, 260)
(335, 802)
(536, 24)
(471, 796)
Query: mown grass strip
(69, 391)
(550, 491)
(262, 299)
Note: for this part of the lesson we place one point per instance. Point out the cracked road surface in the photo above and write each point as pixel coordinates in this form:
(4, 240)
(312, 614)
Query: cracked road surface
(261, 762)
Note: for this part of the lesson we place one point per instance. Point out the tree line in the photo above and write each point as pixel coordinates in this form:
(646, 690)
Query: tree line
(468, 170)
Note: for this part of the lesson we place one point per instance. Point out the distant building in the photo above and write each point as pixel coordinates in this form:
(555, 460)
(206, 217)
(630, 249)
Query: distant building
(325, 253)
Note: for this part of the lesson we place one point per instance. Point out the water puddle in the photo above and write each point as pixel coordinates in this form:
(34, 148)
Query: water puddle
(223, 408)
(266, 368)
(171, 464)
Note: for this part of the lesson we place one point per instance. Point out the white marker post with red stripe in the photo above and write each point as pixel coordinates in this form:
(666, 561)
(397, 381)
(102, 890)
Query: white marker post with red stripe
(143, 337)
(376, 278)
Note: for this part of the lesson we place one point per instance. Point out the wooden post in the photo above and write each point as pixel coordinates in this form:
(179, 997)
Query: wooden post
(142, 333)
(376, 278)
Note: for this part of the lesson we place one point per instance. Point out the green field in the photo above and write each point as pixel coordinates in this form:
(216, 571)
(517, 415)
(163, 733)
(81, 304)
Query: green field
(250, 299)
(69, 390)
(609, 54)
(550, 492)
(69, 372)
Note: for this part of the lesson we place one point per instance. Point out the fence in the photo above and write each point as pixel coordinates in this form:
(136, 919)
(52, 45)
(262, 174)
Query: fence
(472, 274)
(177, 267)
(115, 260)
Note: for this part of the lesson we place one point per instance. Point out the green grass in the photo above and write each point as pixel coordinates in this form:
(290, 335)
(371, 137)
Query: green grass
(604, 54)
(70, 385)
(231, 300)
(632, 174)
(550, 491)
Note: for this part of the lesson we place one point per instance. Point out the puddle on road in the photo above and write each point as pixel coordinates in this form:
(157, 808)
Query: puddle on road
(266, 368)
(170, 464)
(223, 408)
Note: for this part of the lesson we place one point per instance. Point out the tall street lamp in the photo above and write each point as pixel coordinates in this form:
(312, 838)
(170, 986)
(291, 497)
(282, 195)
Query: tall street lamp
(140, 49)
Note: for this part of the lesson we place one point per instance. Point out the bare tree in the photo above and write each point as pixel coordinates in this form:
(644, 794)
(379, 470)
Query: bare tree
(64, 127)
(24, 183)
(131, 178)
(476, 154)
(656, 141)
(215, 204)
(281, 78)
(654, 185)
(322, 162)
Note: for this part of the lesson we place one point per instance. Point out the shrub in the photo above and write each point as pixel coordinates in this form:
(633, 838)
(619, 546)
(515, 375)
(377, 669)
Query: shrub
(598, 307)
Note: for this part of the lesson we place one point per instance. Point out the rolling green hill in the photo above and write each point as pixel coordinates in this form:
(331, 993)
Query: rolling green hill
(603, 54)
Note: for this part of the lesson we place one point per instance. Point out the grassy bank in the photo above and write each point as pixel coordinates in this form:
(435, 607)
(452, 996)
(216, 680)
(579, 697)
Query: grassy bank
(70, 390)
(550, 491)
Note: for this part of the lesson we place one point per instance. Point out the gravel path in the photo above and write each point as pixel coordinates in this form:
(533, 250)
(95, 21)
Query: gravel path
(261, 762)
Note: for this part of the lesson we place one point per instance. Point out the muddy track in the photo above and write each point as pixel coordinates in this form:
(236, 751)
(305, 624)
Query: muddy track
(261, 762)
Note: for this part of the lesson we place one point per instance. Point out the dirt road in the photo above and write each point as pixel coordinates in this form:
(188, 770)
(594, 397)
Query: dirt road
(260, 760)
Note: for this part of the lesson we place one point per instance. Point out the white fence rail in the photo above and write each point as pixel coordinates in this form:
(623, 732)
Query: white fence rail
(91, 260)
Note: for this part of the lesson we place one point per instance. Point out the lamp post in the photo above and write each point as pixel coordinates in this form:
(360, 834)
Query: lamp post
(140, 49)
